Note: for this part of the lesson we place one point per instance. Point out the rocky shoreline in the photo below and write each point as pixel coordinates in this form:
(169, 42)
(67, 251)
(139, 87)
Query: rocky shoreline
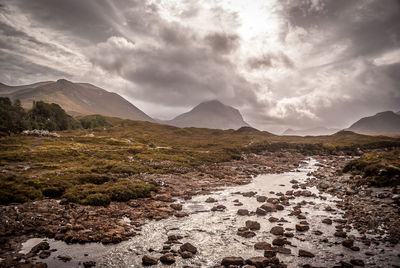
(75, 223)
(373, 212)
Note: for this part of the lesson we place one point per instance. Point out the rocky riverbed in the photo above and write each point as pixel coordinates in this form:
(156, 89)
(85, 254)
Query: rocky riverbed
(312, 217)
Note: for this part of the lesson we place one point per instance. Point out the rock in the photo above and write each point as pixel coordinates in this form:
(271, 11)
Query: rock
(253, 225)
(302, 227)
(280, 241)
(263, 246)
(167, 258)
(164, 198)
(64, 258)
(211, 200)
(180, 214)
(186, 254)
(227, 261)
(218, 208)
(189, 247)
(279, 207)
(283, 250)
(348, 243)
(176, 206)
(277, 230)
(327, 221)
(249, 194)
(288, 234)
(243, 212)
(148, 260)
(88, 264)
(269, 253)
(273, 219)
(357, 262)
(246, 234)
(261, 212)
(261, 198)
(304, 253)
(41, 246)
(39, 265)
(174, 237)
(294, 181)
(45, 254)
(340, 234)
(258, 262)
(269, 207)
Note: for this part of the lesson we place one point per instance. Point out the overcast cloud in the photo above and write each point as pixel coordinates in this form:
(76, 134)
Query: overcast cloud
(293, 63)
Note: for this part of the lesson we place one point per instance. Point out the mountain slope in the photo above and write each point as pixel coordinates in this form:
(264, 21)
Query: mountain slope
(381, 123)
(78, 99)
(210, 114)
(318, 131)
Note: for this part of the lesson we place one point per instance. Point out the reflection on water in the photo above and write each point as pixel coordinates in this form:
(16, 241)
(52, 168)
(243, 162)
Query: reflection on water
(214, 233)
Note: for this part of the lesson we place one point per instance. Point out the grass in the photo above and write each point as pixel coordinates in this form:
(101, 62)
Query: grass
(94, 164)
(377, 168)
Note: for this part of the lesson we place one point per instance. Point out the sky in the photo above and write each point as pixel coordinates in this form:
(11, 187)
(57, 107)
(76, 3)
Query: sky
(282, 63)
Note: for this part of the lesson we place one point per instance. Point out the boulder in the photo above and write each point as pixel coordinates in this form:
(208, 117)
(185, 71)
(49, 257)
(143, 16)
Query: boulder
(243, 212)
(302, 227)
(277, 230)
(148, 260)
(167, 258)
(189, 247)
(304, 253)
(227, 261)
(253, 225)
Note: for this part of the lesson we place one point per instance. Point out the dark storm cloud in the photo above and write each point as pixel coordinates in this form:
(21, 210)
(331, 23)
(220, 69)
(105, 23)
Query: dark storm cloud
(222, 42)
(371, 26)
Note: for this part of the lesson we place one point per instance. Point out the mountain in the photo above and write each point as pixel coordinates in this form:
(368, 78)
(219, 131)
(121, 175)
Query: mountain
(382, 123)
(317, 131)
(76, 99)
(210, 114)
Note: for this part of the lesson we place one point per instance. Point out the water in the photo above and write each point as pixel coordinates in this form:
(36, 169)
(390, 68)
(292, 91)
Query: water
(214, 233)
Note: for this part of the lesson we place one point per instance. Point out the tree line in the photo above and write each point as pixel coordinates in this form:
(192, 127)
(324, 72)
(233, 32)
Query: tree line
(49, 116)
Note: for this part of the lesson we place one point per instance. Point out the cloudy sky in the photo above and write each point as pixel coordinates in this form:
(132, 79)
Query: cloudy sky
(293, 63)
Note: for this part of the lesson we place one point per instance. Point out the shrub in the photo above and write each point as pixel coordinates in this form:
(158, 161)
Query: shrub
(97, 199)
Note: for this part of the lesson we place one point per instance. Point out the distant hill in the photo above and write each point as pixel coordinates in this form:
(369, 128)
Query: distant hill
(75, 99)
(318, 131)
(382, 123)
(210, 114)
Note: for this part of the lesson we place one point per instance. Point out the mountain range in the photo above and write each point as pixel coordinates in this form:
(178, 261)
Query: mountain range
(317, 131)
(381, 123)
(210, 114)
(75, 99)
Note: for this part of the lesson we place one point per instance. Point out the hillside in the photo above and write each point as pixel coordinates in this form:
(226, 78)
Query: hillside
(382, 123)
(210, 114)
(318, 131)
(76, 99)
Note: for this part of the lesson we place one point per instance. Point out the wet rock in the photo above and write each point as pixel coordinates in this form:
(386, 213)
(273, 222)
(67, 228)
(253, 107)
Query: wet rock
(327, 221)
(269, 253)
(277, 230)
(305, 253)
(258, 262)
(148, 260)
(174, 237)
(45, 254)
(261, 198)
(210, 200)
(263, 246)
(41, 246)
(288, 234)
(294, 181)
(279, 207)
(88, 264)
(253, 225)
(186, 254)
(167, 258)
(340, 234)
(218, 208)
(180, 214)
(280, 241)
(302, 227)
(357, 262)
(261, 212)
(283, 250)
(246, 234)
(227, 261)
(176, 206)
(348, 243)
(243, 212)
(249, 194)
(269, 207)
(189, 247)
(64, 258)
(273, 219)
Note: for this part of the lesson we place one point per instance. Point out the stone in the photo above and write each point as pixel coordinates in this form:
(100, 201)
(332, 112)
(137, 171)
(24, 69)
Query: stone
(306, 254)
(64, 258)
(261, 198)
(186, 254)
(88, 264)
(263, 246)
(277, 230)
(218, 208)
(302, 227)
(261, 212)
(41, 246)
(357, 262)
(148, 260)
(189, 247)
(340, 234)
(269, 207)
(243, 212)
(227, 261)
(176, 206)
(273, 219)
(180, 214)
(258, 262)
(211, 200)
(253, 225)
(348, 243)
(246, 234)
(280, 241)
(327, 221)
(167, 258)
(269, 253)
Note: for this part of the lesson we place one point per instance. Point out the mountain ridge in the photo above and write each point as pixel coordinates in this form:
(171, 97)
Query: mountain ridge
(380, 123)
(317, 131)
(77, 99)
